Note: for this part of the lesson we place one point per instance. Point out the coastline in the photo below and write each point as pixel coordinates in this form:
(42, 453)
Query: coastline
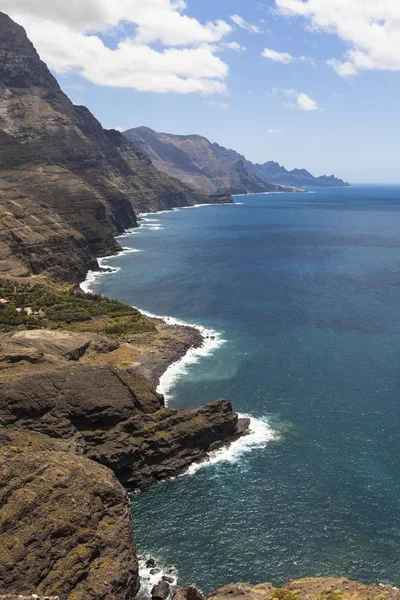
(179, 345)
(188, 342)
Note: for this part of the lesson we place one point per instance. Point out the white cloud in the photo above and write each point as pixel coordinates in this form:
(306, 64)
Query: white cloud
(234, 46)
(285, 57)
(67, 38)
(304, 102)
(274, 55)
(119, 128)
(300, 100)
(242, 24)
(371, 28)
(274, 131)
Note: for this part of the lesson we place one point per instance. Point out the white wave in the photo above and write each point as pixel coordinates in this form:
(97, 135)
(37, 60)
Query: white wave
(260, 435)
(127, 251)
(212, 340)
(239, 203)
(148, 580)
(94, 277)
(198, 205)
(127, 233)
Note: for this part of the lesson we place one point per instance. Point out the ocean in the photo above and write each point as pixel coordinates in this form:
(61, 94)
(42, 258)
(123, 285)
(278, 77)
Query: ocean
(302, 292)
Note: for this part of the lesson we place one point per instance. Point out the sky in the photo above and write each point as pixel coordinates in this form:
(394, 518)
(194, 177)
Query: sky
(309, 83)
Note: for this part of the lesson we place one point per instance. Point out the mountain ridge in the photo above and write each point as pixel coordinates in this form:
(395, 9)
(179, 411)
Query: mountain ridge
(197, 162)
(201, 163)
(274, 172)
(65, 182)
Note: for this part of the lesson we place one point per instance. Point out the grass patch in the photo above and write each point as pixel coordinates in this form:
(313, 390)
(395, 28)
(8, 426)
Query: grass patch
(37, 306)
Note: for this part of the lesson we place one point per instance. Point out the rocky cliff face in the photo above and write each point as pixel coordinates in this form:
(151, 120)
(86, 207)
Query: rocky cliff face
(198, 163)
(66, 182)
(76, 415)
(65, 526)
(275, 173)
(67, 386)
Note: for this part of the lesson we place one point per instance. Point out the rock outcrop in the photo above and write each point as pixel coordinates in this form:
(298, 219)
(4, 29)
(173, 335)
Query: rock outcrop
(309, 588)
(67, 186)
(199, 163)
(65, 527)
(67, 387)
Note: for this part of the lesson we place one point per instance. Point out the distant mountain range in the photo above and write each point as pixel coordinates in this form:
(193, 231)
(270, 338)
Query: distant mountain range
(275, 173)
(212, 168)
(199, 163)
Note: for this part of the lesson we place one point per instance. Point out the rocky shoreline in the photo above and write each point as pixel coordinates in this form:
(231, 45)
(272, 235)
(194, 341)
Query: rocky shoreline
(77, 414)
(180, 339)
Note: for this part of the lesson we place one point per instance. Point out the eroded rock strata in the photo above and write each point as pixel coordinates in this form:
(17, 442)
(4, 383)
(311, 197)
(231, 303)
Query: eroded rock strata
(74, 411)
(67, 185)
(65, 527)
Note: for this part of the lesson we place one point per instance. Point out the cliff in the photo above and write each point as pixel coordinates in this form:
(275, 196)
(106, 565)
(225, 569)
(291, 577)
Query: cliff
(72, 367)
(198, 163)
(76, 416)
(65, 182)
(65, 526)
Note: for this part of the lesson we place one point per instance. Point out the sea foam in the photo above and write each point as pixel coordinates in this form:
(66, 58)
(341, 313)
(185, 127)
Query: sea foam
(148, 581)
(260, 435)
(212, 340)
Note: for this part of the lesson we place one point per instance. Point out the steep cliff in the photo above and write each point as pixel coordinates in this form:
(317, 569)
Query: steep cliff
(197, 162)
(65, 182)
(65, 526)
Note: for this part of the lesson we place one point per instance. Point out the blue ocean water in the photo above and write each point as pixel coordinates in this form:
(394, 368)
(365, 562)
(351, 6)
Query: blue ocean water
(306, 291)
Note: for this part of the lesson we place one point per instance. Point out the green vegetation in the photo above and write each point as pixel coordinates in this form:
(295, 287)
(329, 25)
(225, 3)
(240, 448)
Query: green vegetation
(283, 595)
(332, 596)
(34, 305)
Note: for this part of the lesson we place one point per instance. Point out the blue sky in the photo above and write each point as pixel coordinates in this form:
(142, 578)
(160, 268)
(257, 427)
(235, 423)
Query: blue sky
(325, 95)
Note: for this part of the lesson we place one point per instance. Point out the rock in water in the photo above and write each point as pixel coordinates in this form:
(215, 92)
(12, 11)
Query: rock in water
(150, 563)
(161, 591)
(190, 593)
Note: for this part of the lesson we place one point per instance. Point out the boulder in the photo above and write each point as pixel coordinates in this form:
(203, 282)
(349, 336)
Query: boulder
(161, 591)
